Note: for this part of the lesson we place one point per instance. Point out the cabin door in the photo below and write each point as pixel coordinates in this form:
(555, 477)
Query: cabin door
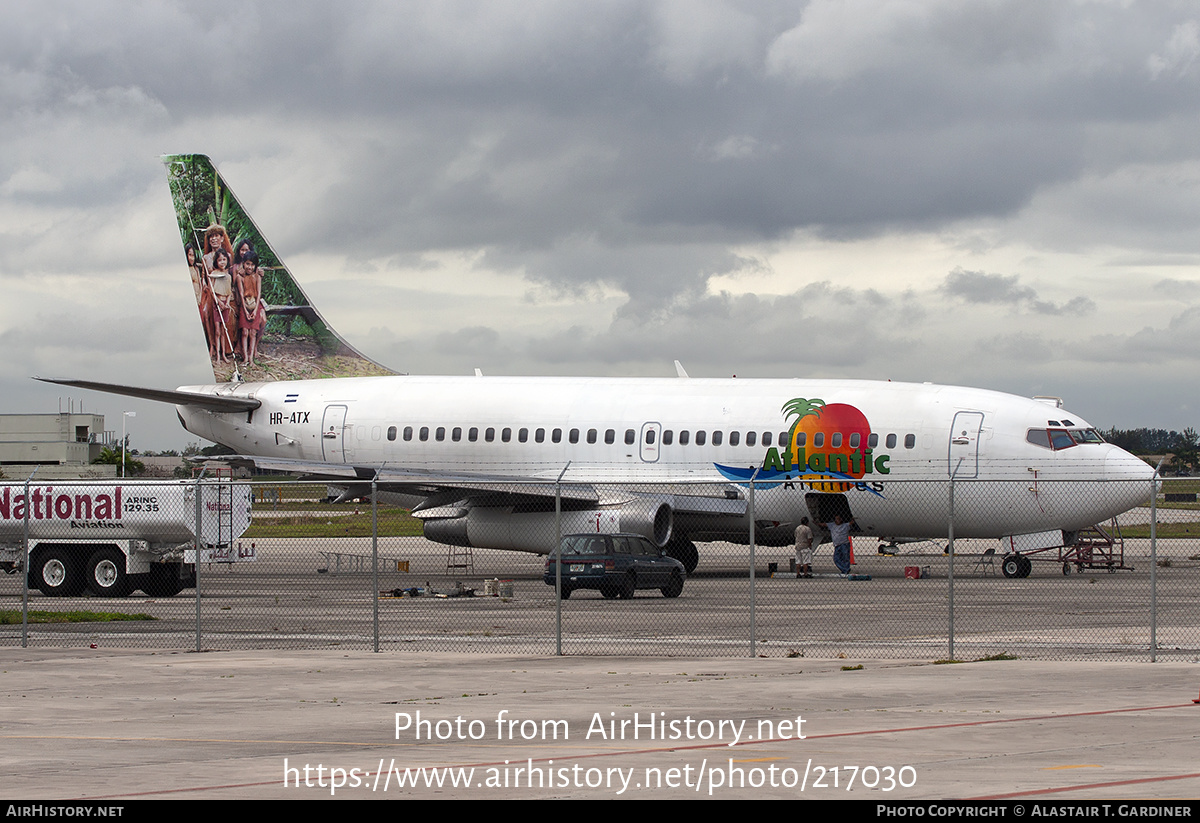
(964, 445)
(333, 434)
(651, 437)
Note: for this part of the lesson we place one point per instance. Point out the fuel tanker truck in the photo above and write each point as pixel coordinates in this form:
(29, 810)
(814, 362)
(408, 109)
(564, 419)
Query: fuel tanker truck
(113, 538)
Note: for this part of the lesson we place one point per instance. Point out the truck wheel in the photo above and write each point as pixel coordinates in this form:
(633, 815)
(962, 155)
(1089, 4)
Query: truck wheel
(106, 575)
(162, 580)
(57, 573)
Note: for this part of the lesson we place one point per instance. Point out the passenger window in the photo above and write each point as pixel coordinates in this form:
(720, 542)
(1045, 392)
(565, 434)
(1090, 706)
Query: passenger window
(891, 441)
(472, 434)
(391, 432)
(610, 436)
(505, 434)
(424, 435)
(456, 433)
(630, 437)
(766, 439)
(539, 436)
(683, 437)
(751, 438)
(523, 435)
(818, 439)
(872, 441)
(716, 438)
(440, 434)
(650, 436)
(700, 437)
(735, 438)
(801, 438)
(668, 437)
(591, 436)
(910, 441)
(574, 435)
(489, 434)
(408, 433)
(556, 436)
(855, 439)
(835, 440)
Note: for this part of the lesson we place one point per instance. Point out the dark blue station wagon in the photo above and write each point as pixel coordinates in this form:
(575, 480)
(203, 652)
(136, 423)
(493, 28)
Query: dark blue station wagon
(615, 564)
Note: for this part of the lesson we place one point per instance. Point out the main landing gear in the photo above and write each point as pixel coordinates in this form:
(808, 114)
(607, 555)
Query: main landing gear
(1016, 565)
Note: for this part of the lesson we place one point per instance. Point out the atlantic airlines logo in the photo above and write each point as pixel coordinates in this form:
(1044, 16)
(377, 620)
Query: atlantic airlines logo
(827, 446)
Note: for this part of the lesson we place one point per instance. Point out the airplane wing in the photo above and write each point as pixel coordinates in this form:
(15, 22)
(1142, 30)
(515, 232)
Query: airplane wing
(439, 487)
(415, 481)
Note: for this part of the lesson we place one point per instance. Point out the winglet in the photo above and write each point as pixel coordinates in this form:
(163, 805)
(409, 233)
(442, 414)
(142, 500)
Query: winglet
(679, 370)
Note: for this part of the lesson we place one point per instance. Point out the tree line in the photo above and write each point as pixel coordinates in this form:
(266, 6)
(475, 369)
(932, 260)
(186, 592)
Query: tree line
(1185, 445)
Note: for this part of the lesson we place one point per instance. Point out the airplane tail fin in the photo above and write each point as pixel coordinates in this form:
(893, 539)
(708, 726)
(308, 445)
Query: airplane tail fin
(258, 323)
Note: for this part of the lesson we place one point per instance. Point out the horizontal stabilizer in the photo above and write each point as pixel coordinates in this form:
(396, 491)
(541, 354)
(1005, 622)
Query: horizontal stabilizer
(178, 398)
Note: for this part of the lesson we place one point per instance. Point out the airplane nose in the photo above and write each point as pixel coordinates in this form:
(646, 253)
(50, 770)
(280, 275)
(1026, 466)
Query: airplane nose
(1121, 465)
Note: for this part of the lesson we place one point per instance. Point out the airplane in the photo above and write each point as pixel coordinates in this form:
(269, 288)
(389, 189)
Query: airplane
(479, 458)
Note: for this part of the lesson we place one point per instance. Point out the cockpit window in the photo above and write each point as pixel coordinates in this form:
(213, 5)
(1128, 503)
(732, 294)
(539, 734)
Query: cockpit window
(1060, 439)
(1038, 437)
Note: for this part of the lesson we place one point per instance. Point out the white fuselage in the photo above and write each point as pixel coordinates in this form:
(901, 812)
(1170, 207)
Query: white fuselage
(624, 431)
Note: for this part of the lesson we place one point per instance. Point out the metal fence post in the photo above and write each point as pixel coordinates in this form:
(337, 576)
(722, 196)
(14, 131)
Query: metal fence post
(753, 628)
(558, 560)
(199, 545)
(950, 549)
(1154, 567)
(25, 566)
(375, 558)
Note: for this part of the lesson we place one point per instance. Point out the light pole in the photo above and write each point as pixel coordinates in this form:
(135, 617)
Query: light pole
(123, 416)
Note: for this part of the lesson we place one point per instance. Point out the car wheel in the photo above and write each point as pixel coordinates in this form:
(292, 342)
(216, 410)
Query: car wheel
(610, 592)
(566, 592)
(675, 587)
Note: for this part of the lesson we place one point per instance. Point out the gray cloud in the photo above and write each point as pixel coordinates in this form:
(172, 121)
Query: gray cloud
(979, 287)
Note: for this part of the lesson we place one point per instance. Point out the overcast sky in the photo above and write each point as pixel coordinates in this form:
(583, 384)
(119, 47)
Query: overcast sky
(997, 194)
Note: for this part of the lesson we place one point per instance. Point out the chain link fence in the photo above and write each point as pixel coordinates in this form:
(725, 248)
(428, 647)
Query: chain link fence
(286, 564)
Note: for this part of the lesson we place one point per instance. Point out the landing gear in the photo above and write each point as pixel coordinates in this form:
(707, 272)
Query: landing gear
(1016, 565)
(628, 586)
(675, 587)
(685, 552)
